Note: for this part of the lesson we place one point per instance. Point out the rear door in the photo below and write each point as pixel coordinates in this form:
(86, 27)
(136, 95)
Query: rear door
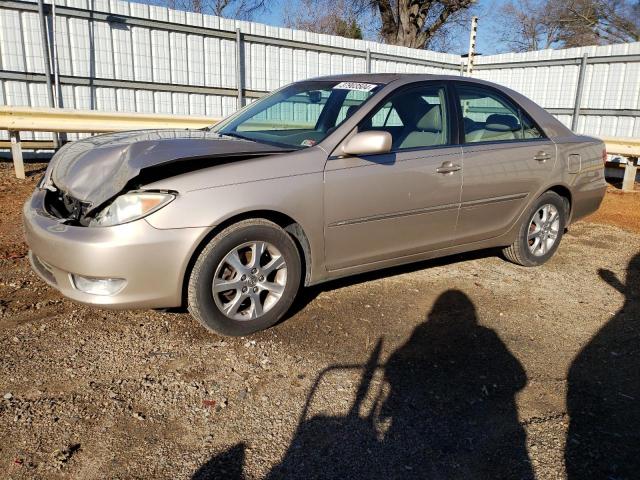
(506, 159)
(380, 207)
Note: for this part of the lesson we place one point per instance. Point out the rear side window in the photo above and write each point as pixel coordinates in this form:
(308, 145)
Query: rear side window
(488, 117)
(415, 118)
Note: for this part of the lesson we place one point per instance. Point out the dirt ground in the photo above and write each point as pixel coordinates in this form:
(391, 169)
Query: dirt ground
(465, 367)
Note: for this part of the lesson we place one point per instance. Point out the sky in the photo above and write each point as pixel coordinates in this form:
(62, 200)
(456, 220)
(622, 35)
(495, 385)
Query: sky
(487, 41)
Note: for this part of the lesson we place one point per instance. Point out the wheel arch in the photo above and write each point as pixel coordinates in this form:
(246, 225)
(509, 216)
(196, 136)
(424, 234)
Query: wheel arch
(288, 224)
(565, 193)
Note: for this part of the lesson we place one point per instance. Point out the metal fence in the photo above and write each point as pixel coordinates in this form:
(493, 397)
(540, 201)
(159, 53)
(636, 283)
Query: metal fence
(594, 90)
(113, 55)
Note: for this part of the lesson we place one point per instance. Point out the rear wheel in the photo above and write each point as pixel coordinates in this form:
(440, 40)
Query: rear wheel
(540, 233)
(245, 279)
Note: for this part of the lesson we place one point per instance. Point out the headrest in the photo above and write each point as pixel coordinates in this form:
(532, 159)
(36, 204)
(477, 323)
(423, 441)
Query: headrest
(502, 123)
(469, 124)
(431, 121)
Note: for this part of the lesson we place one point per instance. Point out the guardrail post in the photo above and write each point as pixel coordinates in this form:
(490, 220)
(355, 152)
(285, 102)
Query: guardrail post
(240, 68)
(16, 154)
(578, 100)
(630, 171)
(368, 60)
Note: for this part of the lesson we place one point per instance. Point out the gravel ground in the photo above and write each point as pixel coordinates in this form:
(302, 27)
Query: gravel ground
(465, 367)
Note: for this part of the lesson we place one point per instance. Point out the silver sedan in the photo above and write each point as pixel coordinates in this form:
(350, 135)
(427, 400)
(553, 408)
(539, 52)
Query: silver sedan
(319, 180)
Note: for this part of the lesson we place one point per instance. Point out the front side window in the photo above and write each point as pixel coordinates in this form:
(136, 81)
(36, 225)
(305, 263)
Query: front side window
(488, 117)
(299, 115)
(387, 116)
(415, 118)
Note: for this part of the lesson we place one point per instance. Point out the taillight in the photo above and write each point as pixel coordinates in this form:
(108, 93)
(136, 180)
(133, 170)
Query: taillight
(604, 155)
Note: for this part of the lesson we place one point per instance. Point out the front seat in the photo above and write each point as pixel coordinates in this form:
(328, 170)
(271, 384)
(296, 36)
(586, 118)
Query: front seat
(497, 127)
(428, 130)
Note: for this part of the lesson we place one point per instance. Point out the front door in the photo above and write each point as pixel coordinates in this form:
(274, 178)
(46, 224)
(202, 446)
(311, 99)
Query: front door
(405, 202)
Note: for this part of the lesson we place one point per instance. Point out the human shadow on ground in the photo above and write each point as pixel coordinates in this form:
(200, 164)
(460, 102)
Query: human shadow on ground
(603, 393)
(446, 409)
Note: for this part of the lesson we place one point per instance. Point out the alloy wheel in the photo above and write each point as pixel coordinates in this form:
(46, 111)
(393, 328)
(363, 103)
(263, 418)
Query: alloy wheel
(249, 280)
(543, 230)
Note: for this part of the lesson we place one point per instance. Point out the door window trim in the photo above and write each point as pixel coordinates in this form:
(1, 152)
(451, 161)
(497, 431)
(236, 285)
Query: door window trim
(453, 126)
(498, 93)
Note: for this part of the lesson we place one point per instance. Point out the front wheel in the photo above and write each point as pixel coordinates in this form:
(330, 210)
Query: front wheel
(540, 233)
(245, 279)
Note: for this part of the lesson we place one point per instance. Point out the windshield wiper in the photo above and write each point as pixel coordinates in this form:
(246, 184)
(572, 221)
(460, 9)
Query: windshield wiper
(237, 135)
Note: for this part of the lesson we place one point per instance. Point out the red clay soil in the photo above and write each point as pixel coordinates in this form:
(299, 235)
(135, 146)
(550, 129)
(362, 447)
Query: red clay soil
(13, 194)
(619, 209)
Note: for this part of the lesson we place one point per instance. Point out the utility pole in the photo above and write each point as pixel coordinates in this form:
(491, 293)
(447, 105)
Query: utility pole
(472, 45)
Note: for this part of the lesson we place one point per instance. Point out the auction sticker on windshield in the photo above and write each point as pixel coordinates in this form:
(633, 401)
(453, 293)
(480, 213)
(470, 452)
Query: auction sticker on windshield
(361, 87)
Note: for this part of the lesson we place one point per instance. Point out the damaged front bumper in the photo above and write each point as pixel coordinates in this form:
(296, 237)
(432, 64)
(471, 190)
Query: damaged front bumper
(150, 263)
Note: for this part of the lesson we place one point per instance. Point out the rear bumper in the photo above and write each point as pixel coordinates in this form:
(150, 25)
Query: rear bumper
(153, 262)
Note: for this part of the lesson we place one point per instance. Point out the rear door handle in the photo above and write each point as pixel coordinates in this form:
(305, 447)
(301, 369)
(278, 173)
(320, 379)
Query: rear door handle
(448, 167)
(541, 156)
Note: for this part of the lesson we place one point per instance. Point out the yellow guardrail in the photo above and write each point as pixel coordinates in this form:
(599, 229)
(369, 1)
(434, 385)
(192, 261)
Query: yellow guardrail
(62, 120)
(630, 149)
(626, 147)
(22, 119)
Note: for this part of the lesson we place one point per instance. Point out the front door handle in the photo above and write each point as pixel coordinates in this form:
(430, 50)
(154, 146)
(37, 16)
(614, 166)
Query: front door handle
(448, 167)
(541, 156)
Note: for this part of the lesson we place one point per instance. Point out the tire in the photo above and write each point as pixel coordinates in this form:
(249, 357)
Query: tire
(240, 310)
(524, 250)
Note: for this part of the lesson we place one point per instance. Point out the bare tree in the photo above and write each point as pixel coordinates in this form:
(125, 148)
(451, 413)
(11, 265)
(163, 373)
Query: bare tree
(527, 25)
(585, 22)
(415, 23)
(410, 23)
(240, 9)
(453, 36)
(333, 17)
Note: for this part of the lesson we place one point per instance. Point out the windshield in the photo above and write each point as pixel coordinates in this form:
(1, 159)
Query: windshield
(299, 115)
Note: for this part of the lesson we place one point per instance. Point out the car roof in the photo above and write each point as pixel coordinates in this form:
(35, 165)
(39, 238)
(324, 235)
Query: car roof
(387, 78)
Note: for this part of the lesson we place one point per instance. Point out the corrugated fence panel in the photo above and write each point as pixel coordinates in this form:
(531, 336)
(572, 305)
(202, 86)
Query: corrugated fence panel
(11, 41)
(550, 78)
(123, 56)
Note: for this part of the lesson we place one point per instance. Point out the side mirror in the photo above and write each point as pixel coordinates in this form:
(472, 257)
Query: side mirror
(368, 143)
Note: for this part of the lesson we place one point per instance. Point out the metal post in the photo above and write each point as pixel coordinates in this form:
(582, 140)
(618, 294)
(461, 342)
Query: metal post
(240, 68)
(630, 171)
(54, 51)
(47, 59)
(368, 61)
(472, 45)
(578, 100)
(16, 153)
(58, 138)
(461, 69)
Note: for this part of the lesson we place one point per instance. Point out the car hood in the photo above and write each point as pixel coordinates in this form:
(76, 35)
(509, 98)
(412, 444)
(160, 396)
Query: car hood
(95, 169)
